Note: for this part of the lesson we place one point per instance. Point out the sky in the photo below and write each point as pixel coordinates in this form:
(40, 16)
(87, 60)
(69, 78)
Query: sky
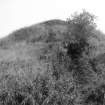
(15, 14)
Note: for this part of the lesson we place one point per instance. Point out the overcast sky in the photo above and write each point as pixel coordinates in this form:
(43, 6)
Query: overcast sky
(15, 14)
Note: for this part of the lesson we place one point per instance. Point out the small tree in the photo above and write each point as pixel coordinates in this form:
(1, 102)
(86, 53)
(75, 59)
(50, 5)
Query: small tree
(80, 28)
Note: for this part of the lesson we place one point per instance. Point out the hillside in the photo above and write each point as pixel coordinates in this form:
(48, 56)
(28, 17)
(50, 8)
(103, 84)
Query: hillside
(45, 64)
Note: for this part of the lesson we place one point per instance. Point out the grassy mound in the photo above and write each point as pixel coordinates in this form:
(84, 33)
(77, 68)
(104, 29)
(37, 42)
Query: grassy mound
(54, 63)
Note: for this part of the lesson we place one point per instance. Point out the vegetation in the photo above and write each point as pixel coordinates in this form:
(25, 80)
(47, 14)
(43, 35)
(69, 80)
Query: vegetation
(64, 65)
